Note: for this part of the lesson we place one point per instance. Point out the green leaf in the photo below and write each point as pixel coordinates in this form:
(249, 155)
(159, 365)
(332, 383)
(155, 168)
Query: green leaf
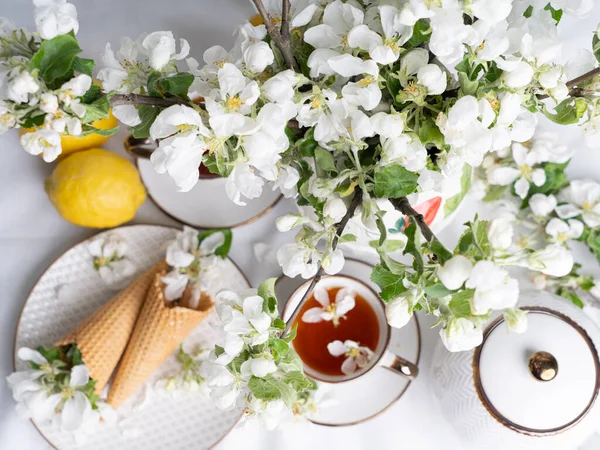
(270, 388)
(413, 246)
(494, 192)
(308, 144)
(429, 133)
(297, 380)
(421, 33)
(493, 73)
(219, 350)
(569, 294)
(394, 182)
(437, 290)
(177, 85)
(324, 159)
(468, 86)
(279, 347)
(147, 116)
(593, 242)
(556, 179)
(278, 323)
(393, 84)
(54, 60)
(223, 249)
(596, 46)
(556, 13)
(528, 12)
(347, 238)
(33, 119)
(93, 93)
(460, 304)
(390, 284)
(88, 129)
(464, 242)
(96, 110)
(51, 354)
(83, 65)
(291, 335)
(465, 183)
(438, 249)
(76, 358)
(567, 112)
(480, 236)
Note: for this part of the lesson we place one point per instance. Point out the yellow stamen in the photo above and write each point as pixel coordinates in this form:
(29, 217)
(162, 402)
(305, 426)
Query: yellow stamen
(367, 80)
(234, 102)
(316, 103)
(353, 352)
(526, 171)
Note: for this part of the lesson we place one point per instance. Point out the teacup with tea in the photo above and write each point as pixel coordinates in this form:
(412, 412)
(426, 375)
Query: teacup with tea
(342, 332)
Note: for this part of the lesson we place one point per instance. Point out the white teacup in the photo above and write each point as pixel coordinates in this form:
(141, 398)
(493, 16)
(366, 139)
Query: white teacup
(382, 355)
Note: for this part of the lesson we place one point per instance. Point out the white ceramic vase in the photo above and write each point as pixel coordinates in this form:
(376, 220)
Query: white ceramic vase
(535, 390)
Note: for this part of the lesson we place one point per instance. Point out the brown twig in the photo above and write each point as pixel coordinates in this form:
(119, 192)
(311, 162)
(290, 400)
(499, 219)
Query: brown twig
(136, 99)
(574, 91)
(402, 205)
(339, 228)
(281, 37)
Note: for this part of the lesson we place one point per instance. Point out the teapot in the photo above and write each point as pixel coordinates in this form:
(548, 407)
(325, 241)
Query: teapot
(535, 390)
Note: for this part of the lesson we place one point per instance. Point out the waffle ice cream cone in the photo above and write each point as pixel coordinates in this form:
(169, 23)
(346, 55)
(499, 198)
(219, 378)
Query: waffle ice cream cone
(159, 329)
(103, 336)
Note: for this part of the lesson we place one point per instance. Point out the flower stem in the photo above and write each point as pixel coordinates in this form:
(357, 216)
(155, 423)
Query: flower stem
(280, 36)
(339, 228)
(401, 204)
(137, 99)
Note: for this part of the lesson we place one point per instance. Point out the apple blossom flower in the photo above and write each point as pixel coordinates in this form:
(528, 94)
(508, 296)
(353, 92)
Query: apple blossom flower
(20, 85)
(542, 205)
(468, 136)
(500, 233)
(433, 78)
(524, 173)
(297, 259)
(325, 112)
(455, 272)
(520, 75)
(46, 142)
(494, 288)
(399, 310)
(449, 33)
(258, 56)
(55, 17)
(364, 92)
(554, 260)
(258, 367)
(330, 312)
(287, 181)
(338, 21)
(7, 118)
(160, 48)
(561, 231)
(357, 356)
(70, 91)
(460, 334)
(582, 198)
(406, 151)
(386, 125)
(243, 315)
(334, 209)
(109, 257)
(516, 320)
(48, 102)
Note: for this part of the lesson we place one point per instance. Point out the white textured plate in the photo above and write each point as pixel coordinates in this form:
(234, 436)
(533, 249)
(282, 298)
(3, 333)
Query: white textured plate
(206, 205)
(367, 396)
(69, 291)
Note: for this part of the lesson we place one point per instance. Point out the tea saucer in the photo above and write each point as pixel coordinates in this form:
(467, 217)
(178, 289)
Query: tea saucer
(69, 290)
(362, 398)
(206, 205)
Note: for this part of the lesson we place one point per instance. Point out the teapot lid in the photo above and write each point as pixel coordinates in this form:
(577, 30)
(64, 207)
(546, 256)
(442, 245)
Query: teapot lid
(542, 381)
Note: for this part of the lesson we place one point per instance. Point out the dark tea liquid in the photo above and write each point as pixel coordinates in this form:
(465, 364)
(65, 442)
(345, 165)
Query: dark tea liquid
(360, 325)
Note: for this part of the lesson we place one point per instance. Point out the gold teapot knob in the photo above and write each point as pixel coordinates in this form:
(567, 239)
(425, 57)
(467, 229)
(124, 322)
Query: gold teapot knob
(543, 366)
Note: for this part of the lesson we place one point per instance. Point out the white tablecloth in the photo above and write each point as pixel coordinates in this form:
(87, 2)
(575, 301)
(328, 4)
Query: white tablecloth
(33, 235)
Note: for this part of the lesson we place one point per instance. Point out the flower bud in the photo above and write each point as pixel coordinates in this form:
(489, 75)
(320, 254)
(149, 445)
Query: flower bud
(258, 56)
(461, 334)
(398, 312)
(554, 260)
(433, 78)
(542, 205)
(455, 272)
(335, 209)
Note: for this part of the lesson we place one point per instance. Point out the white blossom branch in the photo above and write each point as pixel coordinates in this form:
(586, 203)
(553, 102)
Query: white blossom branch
(575, 82)
(339, 228)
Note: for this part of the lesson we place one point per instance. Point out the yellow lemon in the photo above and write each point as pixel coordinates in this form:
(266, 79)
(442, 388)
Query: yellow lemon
(72, 144)
(96, 188)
